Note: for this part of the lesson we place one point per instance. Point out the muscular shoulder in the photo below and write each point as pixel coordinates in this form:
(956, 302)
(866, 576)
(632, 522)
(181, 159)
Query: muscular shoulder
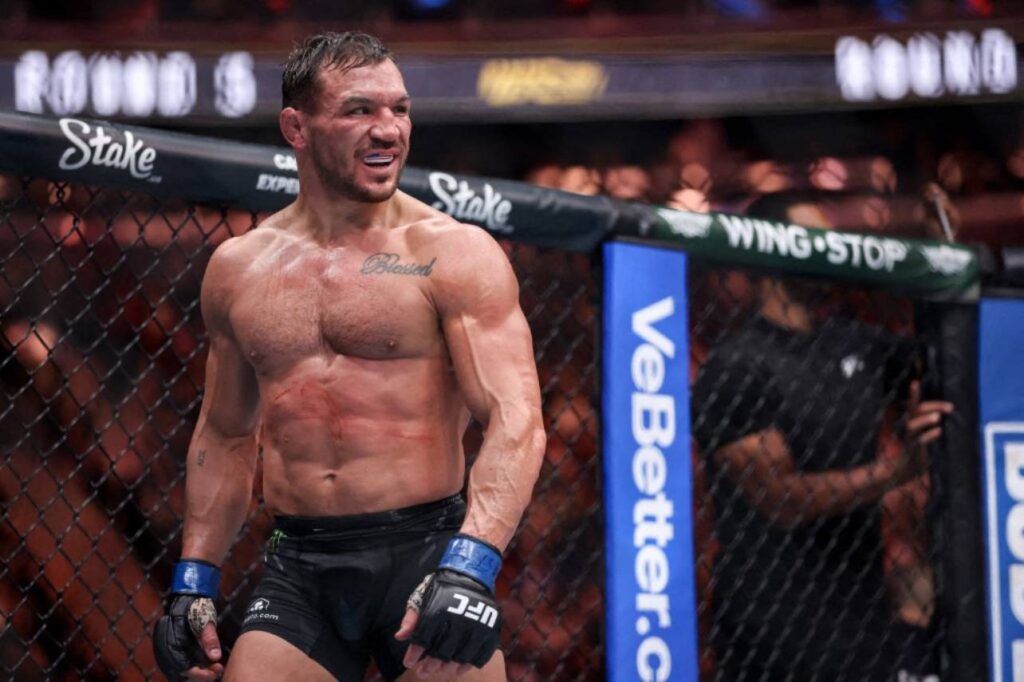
(227, 269)
(470, 267)
(233, 257)
(448, 236)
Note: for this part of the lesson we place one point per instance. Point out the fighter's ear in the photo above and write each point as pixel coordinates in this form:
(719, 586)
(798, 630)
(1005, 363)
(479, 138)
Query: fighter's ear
(293, 127)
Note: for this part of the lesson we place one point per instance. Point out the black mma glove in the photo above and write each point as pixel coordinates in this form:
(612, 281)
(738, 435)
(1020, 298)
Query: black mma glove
(459, 620)
(176, 635)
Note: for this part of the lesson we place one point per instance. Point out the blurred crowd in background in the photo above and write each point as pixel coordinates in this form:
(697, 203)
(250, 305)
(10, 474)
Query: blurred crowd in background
(871, 169)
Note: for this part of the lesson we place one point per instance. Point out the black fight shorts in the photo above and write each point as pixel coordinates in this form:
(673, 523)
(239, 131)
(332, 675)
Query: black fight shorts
(336, 587)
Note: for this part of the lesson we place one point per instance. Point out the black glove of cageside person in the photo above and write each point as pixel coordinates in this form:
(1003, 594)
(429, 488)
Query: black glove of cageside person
(459, 620)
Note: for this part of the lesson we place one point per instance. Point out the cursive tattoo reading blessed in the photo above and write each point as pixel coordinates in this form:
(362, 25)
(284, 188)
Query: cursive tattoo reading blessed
(389, 264)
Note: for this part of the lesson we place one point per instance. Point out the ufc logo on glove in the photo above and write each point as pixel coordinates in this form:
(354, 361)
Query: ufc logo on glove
(454, 598)
(481, 612)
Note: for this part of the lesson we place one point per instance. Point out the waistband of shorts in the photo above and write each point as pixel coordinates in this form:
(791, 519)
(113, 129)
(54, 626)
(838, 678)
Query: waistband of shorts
(314, 526)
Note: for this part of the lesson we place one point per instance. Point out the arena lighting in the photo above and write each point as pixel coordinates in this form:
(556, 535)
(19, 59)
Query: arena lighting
(891, 10)
(136, 84)
(278, 6)
(979, 7)
(743, 9)
(431, 5)
(926, 65)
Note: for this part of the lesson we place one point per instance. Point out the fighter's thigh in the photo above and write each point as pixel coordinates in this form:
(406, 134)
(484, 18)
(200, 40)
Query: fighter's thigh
(494, 671)
(260, 655)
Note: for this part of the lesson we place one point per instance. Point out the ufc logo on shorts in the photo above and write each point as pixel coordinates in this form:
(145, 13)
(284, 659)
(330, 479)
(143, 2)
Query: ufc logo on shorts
(478, 612)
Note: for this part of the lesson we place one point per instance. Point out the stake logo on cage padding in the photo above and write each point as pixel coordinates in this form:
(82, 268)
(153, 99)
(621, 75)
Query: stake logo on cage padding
(93, 145)
(459, 200)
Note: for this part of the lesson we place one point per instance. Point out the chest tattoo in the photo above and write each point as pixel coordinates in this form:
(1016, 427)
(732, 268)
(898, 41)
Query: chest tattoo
(391, 264)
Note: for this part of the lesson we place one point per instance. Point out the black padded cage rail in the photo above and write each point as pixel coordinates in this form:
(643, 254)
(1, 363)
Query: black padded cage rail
(105, 231)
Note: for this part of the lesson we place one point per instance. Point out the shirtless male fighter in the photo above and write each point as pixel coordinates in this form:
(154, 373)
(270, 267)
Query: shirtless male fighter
(351, 337)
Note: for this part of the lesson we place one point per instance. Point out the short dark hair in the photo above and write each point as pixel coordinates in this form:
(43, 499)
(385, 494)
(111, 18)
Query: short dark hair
(328, 50)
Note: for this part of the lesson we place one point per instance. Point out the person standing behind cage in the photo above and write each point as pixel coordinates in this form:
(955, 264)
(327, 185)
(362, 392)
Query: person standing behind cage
(352, 336)
(788, 412)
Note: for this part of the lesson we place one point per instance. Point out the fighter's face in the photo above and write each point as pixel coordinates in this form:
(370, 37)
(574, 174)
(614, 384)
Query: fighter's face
(359, 133)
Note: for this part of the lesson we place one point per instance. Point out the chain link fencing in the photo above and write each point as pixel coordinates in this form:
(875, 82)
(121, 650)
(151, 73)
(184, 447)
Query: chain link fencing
(102, 372)
(818, 525)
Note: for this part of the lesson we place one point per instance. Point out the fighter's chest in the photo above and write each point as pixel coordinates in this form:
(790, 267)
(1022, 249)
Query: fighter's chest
(337, 304)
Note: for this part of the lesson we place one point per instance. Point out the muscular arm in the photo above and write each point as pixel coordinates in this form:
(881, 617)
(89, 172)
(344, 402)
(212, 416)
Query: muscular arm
(222, 455)
(492, 353)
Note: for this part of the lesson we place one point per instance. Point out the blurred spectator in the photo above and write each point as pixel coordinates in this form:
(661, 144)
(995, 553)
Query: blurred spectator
(580, 180)
(689, 200)
(546, 175)
(789, 413)
(630, 183)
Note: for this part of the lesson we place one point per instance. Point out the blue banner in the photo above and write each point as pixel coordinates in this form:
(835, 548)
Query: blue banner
(650, 594)
(1001, 404)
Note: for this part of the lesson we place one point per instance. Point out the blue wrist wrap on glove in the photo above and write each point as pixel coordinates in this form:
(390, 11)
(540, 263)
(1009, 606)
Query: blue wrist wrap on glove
(195, 577)
(475, 558)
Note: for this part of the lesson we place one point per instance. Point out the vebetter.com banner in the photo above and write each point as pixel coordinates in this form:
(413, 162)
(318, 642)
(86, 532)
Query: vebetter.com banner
(651, 606)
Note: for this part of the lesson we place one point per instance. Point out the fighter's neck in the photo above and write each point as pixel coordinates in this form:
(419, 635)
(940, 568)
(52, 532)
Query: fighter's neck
(331, 218)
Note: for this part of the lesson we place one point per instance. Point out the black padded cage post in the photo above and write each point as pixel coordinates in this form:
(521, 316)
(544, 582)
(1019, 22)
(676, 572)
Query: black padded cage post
(960, 532)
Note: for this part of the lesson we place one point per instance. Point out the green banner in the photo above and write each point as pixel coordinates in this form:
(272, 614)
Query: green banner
(909, 265)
